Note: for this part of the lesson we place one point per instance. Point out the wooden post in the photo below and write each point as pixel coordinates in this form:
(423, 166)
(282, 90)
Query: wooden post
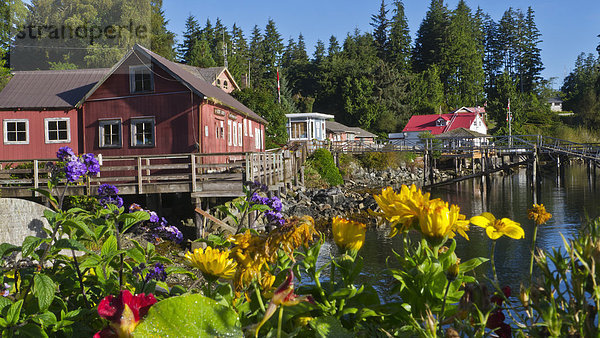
(139, 174)
(36, 177)
(198, 218)
(425, 161)
(264, 169)
(193, 167)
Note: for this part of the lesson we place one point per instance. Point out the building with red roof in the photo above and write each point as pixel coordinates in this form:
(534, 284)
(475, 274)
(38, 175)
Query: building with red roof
(470, 118)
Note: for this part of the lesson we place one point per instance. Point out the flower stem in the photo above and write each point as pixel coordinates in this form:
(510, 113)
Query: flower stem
(279, 321)
(535, 229)
(259, 297)
(80, 277)
(493, 261)
(444, 303)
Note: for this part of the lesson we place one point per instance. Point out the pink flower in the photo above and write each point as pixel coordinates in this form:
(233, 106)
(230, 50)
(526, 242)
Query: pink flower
(123, 312)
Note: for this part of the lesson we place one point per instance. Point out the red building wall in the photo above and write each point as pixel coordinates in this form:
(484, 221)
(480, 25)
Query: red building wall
(37, 148)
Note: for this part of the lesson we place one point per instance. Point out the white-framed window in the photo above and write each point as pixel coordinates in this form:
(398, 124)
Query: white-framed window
(235, 133)
(257, 138)
(240, 138)
(110, 133)
(229, 140)
(16, 131)
(250, 127)
(57, 130)
(205, 131)
(142, 132)
(245, 127)
(222, 133)
(225, 84)
(141, 79)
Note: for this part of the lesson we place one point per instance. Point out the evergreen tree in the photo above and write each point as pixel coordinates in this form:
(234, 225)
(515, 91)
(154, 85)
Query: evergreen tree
(492, 59)
(300, 54)
(221, 42)
(238, 59)
(254, 57)
(399, 48)
(201, 55)
(162, 40)
(288, 54)
(580, 90)
(509, 40)
(272, 48)
(430, 37)
(380, 24)
(427, 92)
(264, 102)
(319, 54)
(531, 59)
(462, 63)
(334, 46)
(190, 36)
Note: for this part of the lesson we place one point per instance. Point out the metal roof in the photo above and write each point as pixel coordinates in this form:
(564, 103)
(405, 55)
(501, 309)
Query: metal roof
(49, 88)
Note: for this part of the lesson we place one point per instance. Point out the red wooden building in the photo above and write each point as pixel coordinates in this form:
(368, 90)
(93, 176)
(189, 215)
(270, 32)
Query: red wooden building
(145, 104)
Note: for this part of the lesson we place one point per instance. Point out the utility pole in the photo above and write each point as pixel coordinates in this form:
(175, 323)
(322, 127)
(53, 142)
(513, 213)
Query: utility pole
(509, 120)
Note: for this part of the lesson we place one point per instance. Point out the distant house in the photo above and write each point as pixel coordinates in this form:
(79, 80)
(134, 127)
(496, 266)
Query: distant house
(339, 132)
(435, 124)
(461, 137)
(144, 105)
(307, 126)
(363, 135)
(217, 76)
(555, 104)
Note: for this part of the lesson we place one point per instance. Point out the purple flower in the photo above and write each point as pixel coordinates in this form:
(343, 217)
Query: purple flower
(65, 154)
(153, 216)
(6, 291)
(258, 199)
(107, 190)
(157, 273)
(74, 170)
(172, 233)
(275, 204)
(91, 163)
(116, 200)
(274, 217)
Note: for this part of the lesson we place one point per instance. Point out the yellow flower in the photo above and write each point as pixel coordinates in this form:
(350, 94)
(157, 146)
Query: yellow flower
(438, 220)
(348, 235)
(539, 214)
(400, 210)
(495, 228)
(212, 262)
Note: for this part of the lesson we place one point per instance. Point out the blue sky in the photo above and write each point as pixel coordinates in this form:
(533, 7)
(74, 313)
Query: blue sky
(568, 27)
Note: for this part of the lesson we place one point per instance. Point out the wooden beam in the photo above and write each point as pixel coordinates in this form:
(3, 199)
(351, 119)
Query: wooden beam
(216, 220)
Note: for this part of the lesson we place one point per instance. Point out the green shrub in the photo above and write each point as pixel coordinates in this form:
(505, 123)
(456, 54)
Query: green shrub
(322, 161)
(380, 161)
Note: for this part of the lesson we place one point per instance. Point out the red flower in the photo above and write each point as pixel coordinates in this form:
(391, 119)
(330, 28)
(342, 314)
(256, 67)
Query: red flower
(123, 312)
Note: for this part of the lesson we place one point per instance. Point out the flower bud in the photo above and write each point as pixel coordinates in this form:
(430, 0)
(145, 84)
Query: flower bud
(453, 270)
(524, 296)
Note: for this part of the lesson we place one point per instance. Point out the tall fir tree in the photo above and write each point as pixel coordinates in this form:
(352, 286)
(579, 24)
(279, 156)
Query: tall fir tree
(238, 55)
(201, 55)
(430, 37)
(272, 48)
(190, 36)
(380, 25)
(531, 60)
(399, 47)
(255, 52)
(300, 54)
(334, 46)
(462, 63)
(162, 40)
(580, 90)
(319, 54)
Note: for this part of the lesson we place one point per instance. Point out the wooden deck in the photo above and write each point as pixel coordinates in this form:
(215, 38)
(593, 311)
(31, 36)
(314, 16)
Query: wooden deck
(201, 175)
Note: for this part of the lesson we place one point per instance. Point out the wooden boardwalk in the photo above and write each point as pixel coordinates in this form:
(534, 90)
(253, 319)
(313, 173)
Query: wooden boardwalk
(201, 175)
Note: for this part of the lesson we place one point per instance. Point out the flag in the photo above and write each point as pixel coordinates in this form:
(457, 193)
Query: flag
(278, 87)
(508, 112)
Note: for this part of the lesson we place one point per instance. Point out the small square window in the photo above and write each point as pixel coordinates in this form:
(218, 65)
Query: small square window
(142, 132)
(58, 130)
(110, 133)
(140, 78)
(16, 131)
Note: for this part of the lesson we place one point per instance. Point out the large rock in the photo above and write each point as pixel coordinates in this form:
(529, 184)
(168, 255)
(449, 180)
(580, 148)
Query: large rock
(19, 219)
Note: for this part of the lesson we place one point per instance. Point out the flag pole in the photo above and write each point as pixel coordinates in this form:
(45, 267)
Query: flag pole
(509, 119)
(278, 87)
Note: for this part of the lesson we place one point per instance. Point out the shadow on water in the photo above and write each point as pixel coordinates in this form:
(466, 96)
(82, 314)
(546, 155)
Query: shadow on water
(570, 200)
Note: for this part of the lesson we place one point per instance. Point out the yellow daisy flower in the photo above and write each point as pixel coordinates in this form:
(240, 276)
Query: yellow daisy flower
(495, 228)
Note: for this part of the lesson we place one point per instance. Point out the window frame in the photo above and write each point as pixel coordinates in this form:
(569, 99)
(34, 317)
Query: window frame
(47, 129)
(5, 131)
(132, 73)
(104, 122)
(134, 121)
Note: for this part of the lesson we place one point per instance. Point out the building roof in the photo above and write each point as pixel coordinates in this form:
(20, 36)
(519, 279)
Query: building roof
(310, 115)
(461, 132)
(49, 88)
(336, 127)
(461, 118)
(210, 74)
(194, 83)
(361, 133)
(554, 100)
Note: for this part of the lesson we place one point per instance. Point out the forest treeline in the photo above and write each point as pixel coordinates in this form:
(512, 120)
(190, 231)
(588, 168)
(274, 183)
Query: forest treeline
(375, 79)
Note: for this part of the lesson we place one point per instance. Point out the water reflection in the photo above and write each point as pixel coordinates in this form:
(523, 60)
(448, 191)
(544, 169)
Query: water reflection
(570, 200)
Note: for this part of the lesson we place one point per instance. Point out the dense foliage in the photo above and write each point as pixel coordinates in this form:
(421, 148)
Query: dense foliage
(322, 161)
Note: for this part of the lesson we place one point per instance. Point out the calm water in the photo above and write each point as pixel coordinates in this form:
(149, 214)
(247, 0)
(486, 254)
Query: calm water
(570, 201)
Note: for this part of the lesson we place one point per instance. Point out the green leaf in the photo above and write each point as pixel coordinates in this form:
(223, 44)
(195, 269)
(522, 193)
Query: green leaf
(43, 289)
(109, 248)
(4, 302)
(12, 317)
(6, 248)
(30, 243)
(79, 225)
(47, 194)
(45, 319)
(130, 219)
(30, 330)
(329, 327)
(137, 255)
(472, 264)
(69, 243)
(191, 315)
